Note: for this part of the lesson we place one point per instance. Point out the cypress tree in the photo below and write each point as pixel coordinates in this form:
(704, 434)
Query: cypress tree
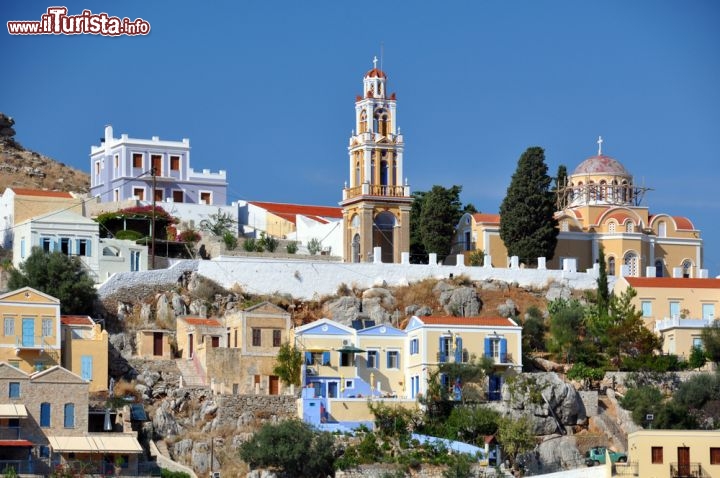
(527, 223)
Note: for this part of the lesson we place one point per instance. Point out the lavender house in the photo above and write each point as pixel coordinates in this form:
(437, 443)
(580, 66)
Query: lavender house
(121, 169)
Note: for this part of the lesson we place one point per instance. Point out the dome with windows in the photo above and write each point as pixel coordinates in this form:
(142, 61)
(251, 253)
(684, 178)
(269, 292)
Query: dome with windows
(375, 73)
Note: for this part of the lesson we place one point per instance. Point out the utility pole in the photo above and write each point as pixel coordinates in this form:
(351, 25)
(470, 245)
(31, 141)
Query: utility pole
(152, 228)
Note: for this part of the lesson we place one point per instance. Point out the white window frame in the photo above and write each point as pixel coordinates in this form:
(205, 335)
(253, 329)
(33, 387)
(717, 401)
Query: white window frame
(200, 194)
(647, 303)
(9, 326)
(140, 188)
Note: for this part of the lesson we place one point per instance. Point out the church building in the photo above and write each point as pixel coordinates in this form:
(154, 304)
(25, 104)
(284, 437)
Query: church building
(601, 206)
(376, 203)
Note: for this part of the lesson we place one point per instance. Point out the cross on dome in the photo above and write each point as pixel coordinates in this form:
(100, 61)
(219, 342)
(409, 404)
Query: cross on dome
(600, 142)
(375, 60)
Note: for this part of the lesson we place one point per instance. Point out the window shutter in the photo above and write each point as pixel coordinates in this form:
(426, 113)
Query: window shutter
(488, 350)
(458, 349)
(326, 358)
(443, 351)
(69, 415)
(308, 358)
(86, 367)
(88, 243)
(45, 414)
(503, 350)
(77, 247)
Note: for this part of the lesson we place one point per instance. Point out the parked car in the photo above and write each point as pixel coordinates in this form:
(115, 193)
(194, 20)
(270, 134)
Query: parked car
(596, 456)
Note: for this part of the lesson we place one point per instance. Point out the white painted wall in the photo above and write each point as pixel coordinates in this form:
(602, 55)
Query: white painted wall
(330, 234)
(110, 264)
(194, 213)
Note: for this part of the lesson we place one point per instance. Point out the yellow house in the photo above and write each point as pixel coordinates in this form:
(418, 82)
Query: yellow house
(675, 453)
(599, 206)
(31, 329)
(85, 350)
(436, 340)
(195, 331)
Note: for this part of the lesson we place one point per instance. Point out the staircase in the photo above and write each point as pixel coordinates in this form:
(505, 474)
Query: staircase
(190, 376)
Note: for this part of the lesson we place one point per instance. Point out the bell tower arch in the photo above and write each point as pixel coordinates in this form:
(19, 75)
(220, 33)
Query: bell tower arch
(376, 202)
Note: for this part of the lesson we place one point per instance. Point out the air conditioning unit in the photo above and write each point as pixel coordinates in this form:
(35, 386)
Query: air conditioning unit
(346, 342)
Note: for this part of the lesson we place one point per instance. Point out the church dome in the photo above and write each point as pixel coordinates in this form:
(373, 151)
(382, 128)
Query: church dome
(375, 73)
(601, 164)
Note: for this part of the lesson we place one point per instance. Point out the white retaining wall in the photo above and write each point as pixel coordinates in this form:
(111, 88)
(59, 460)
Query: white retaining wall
(159, 277)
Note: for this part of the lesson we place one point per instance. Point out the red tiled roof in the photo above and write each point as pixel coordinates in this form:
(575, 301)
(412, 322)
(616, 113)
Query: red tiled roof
(375, 73)
(480, 321)
(601, 164)
(38, 192)
(200, 321)
(76, 320)
(683, 223)
(15, 443)
(289, 211)
(619, 216)
(491, 218)
(673, 283)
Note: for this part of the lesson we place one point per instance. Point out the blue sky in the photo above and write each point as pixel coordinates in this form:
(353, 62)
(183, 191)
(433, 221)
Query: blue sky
(265, 90)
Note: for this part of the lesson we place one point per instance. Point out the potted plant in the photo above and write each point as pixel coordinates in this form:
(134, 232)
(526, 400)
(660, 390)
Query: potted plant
(119, 462)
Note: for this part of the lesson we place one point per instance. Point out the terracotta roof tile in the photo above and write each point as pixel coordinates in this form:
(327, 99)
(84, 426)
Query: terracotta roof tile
(289, 211)
(683, 223)
(673, 283)
(76, 320)
(201, 321)
(41, 193)
(491, 218)
(375, 73)
(477, 321)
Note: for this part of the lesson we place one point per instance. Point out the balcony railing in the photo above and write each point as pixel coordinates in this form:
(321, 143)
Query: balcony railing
(445, 357)
(505, 358)
(37, 342)
(376, 190)
(685, 470)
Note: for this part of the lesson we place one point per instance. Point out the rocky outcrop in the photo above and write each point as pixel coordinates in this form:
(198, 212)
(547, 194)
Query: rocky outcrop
(377, 304)
(344, 309)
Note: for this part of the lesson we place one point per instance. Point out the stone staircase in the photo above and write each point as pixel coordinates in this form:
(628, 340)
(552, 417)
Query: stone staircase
(190, 376)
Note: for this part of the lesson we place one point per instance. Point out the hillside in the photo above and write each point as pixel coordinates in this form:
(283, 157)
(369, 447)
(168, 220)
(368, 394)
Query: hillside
(20, 167)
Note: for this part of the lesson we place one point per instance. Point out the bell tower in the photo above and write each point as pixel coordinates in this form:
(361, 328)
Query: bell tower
(376, 203)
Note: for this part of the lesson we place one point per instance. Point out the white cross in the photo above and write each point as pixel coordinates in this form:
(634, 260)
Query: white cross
(375, 60)
(600, 142)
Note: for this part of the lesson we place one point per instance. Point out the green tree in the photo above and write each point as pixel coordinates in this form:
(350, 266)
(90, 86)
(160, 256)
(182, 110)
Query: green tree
(566, 328)
(603, 293)
(516, 436)
(626, 333)
(218, 224)
(292, 446)
(63, 277)
(471, 424)
(534, 329)
(711, 341)
(418, 254)
(560, 185)
(527, 224)
(289, 364)
(441, 211)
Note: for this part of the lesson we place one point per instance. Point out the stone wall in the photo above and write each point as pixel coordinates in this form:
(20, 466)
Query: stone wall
(382, 470)
(242, 409)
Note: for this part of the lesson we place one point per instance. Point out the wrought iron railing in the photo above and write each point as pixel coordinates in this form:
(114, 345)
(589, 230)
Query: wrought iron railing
(685, 470)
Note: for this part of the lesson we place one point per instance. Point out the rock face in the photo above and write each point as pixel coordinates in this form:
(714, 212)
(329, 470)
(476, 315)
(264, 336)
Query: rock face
(461, 302)
(535, 395)
(553, 454)
(377, 304)
(557, 290)
(344, 310)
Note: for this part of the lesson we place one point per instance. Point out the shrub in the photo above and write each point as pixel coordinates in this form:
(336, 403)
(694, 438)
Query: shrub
(268, 242)
(477, 258)
(189, 235)
(250, 244)
(165, 473)
(291, 247)
(128, 235)
(230, 241)
(697, 357)
(314, 246)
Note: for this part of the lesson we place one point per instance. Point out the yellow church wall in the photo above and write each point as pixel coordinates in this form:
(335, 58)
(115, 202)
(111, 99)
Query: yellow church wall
(579, 248)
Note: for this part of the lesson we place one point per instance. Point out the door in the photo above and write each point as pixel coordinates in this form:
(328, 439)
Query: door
(215, 342)
(274, 386)
(86, 367)
(683, 461)
(28, 332)
(190, 345)
(158, 344)
(332, 390)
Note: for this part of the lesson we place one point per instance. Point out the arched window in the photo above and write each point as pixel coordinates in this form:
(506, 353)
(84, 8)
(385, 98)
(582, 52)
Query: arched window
(363, 122)
(355, 221)
(629, 226)
(611, 266)
(111, 251)
(659, 268)
(356, 247)
(592, 191)
(662, 229)
(602, 191)
(687, 268)
(611, 227)
(624, 191)
(631, 263)
(384, 171)
(357, 174)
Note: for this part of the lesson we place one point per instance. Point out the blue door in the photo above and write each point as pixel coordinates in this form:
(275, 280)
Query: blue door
(28, 332)
(86, 367)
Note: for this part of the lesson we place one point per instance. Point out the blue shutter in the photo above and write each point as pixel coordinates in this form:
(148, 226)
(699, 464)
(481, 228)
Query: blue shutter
(88, 249)
(488, 350)
(45, 414)
(443, 351)
(86, 367)
(69, 415)
(308, 358)
(22, 248)
(77, 247)
(503, 351)
(326, 358)
(14, 390)
(458, 350)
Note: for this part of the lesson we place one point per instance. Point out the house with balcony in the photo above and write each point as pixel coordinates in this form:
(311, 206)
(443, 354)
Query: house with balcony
(44, 424)
(85, 350)
(131, 168)
(31, 339)
(677, 308)
(675, 453)
(433, 341)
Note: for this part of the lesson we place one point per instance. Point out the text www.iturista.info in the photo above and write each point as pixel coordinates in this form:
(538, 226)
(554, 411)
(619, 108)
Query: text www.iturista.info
(57, 22)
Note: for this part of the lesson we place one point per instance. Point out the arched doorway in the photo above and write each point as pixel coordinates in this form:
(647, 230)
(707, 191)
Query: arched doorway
(383, 230)
(631, 261)
(356, 248)
(659, 267)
